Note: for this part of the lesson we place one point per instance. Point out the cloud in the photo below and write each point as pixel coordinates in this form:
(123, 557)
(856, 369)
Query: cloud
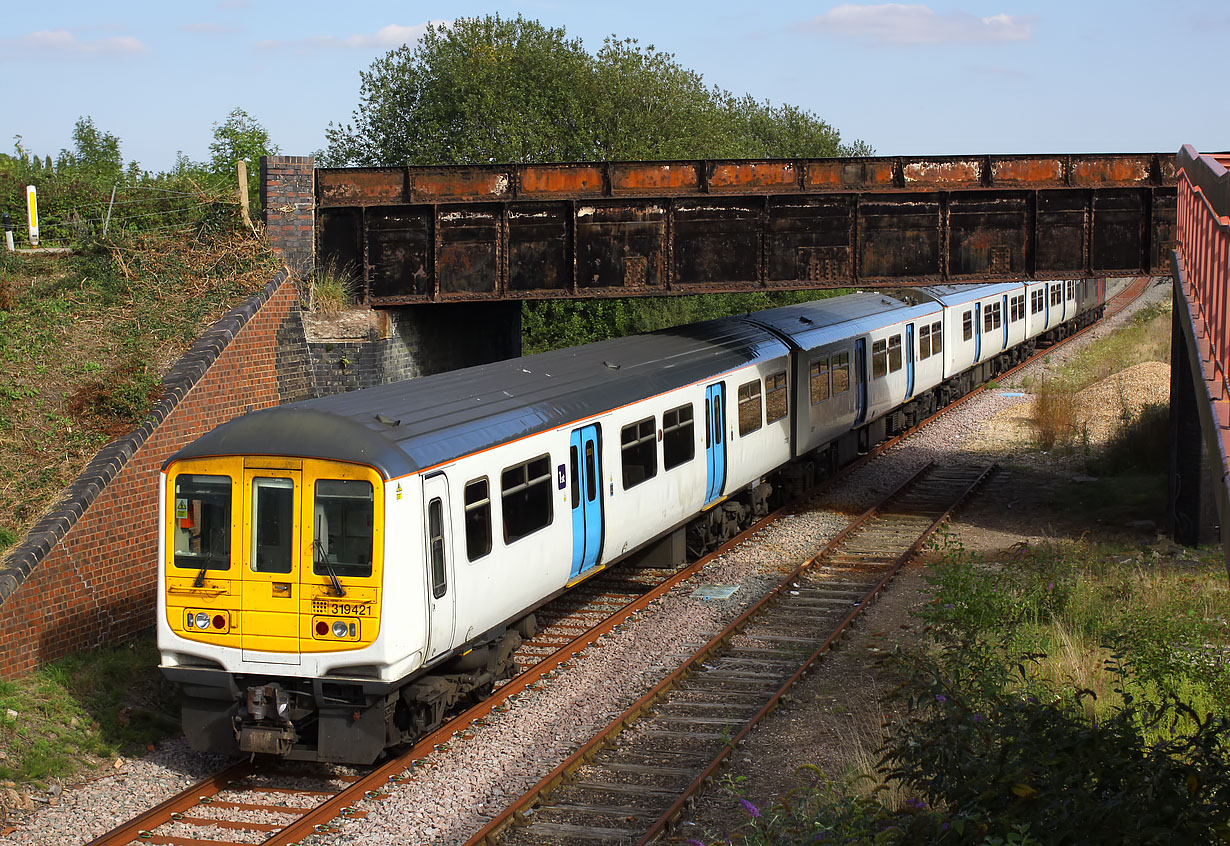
(898, 23)
(387, 37)
(63, 43)
(207, 28)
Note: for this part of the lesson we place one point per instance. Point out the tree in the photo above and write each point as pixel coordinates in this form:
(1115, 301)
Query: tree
(484, 90)
(239, 138)
(481, 90)
(95, 156)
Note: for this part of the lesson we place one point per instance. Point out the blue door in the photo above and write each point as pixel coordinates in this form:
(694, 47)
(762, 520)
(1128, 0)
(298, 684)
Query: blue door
(586, 465)
(909, 360)
(715, 443)
(977, 331)
(1004, 306)
(860, 381)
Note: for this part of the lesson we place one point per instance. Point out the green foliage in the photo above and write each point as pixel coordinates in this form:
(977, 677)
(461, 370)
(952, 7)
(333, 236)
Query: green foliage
(552, 324)
(81, 708)
(240, 138)
(482, 90)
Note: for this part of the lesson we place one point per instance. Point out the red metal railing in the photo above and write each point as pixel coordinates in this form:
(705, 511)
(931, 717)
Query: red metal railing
(1204, 246)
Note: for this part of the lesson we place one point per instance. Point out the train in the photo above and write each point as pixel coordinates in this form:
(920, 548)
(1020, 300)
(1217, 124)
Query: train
(339, 575)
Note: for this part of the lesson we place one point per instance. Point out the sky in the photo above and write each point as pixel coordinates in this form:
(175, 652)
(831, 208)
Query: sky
(940, 78)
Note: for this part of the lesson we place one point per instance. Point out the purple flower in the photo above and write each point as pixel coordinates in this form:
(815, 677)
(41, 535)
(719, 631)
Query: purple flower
(692, 842)
(751, 809)
(1050, 586)
(939, 697)
(978, 718)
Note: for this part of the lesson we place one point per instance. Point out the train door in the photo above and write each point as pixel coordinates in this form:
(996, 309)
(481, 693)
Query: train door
(715, 440)
(909, 360)
(1004, 316)
(272, 518)
(437, 541)
(860, 380)
(977, 331)
(587, 526)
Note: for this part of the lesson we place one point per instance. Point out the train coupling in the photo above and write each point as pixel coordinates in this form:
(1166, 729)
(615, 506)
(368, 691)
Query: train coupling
(266, 729)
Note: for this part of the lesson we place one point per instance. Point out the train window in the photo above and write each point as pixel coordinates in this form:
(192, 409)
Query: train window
(749, 408)
(273, 501)
(937, 339)
(525, 495)
(967, 325)
(1071, 289)
(924, 342)
(819, 380)
(678, 439)
(435, 541)
(1037, 300)
(344, 512)
(203, 522)
(1057, 294)
(478, 517)
(841, 373)
(638, 446)
(775, 401)
(879, 359)
(894, 353)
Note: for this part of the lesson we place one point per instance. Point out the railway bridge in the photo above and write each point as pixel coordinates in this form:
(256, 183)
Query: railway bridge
(496, 235)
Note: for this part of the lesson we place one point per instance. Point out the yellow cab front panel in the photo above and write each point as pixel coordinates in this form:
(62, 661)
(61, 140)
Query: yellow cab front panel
(274, 556)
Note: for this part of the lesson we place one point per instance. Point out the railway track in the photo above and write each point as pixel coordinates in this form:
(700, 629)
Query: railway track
(567, 627)
(633, 780)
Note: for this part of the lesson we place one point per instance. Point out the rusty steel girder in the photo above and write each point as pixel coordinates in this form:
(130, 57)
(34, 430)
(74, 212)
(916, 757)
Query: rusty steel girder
(434, 234)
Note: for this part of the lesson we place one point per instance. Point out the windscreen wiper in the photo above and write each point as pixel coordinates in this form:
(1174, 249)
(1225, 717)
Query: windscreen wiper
(323, 558)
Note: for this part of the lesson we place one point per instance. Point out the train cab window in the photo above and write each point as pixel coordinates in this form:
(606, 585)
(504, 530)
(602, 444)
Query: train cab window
(435, 542)
(894, 353)
(525, 494)
(344, 512)
(775, 401)
(937, 338)
(678, 438)
(273, 501)
(478, 518)
(749, 408)
(1037, 300)
(638, 446)
(879, 359)
(841, 373)
(819, 380)
(967, 325)
(203, 522)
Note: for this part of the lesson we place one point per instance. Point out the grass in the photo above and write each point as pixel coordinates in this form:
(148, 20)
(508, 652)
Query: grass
(67, 718)
(332, 289)
(85, 340)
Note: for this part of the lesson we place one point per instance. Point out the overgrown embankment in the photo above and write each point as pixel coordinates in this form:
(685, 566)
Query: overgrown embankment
(85, 340)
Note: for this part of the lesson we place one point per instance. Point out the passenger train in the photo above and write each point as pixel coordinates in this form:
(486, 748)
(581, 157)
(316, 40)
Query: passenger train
(337, 575)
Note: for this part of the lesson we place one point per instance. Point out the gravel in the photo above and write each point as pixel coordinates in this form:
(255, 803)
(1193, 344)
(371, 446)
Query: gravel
(456, 792)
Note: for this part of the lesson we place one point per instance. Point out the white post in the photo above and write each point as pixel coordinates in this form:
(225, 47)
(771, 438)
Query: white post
(32, 208)
(110, 205)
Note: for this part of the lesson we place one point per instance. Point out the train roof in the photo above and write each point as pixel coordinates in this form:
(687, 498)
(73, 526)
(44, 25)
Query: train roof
(951, 295)
(406, 426)
(814, 324)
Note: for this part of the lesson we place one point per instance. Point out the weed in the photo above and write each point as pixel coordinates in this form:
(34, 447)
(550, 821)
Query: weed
(1054, 414)
(332, 289)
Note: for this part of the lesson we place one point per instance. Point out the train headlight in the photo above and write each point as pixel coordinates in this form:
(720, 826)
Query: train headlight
(339, 629)
(202, 620)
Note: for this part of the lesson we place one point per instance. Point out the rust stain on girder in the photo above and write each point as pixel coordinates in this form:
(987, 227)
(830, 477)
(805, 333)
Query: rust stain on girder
(1027, 171)
(654, 178)
(460, 183)
(576, 180)
(957, 173)
(751, 176)
(1103, 170)
(836, 174)
(362, 187)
